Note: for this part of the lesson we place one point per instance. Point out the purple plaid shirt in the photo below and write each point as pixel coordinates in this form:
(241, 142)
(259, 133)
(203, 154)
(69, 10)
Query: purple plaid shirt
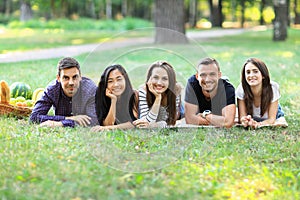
(82, 103)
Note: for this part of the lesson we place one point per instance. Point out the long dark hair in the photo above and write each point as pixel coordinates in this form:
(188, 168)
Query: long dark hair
(169, 93)
(267, 92)
(103, 102)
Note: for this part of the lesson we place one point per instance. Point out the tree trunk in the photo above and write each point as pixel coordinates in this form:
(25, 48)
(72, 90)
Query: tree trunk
(297, 11)
(243, 13)
(288, 13)
(108, 9)
(233, 5)
(52, 9)
(169, 21)
(90, 8)
(26, 12)
(281, 20)
(262, 7)
(193, 13)
(101, 8)
(216, 16)
(7, 7)
(64, 7)
(124, 8)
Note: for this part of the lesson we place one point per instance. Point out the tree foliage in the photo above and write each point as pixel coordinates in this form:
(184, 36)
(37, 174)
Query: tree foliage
(215, 11)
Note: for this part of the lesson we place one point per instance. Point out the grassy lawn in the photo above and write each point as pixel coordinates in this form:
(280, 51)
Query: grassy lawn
(63, 163)
(36, 34)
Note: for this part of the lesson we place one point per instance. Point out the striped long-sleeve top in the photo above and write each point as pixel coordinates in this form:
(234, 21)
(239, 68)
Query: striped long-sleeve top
(144, 110)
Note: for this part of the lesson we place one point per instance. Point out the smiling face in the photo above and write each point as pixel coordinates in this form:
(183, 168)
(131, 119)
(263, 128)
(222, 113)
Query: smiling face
(160, 80)
(208, 77)
(116, 83)
(253, 75)
(70, 80)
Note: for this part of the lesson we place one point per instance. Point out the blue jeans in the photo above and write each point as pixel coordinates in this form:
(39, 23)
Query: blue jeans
(280, 113)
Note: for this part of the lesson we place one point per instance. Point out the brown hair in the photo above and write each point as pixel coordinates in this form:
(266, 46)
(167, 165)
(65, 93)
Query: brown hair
(66, 63)
(208, 61)
(267, 91)
(169, 93)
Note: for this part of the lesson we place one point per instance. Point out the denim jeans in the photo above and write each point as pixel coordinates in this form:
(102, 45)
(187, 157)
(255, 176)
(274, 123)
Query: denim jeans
(280, 113)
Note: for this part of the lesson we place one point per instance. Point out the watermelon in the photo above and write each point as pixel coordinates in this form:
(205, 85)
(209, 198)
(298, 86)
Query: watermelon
(18, 89)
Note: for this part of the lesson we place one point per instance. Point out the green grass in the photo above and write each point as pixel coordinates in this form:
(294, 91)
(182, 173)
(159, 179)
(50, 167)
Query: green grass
(37, 34)
(63, 163)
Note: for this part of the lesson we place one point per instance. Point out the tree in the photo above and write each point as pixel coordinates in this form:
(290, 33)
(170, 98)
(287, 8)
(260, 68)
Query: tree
(243, 13)
(262, 7)
(216, 15)
(297, 11)
(90, 9)
(108, 9)
(169, 21)
(193, 13)
(124, 8)
(8, 4)
(281, 20)
(26, 11)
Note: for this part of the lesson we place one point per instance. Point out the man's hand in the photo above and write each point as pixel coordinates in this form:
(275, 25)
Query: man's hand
(82, 120)
(202, 121)
(50, 123)
(98, 128)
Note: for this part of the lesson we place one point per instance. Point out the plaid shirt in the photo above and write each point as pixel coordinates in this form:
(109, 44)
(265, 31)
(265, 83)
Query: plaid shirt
(82, 103)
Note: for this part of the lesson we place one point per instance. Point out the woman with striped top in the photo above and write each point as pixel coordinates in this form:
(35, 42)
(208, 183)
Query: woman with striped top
(159, 98)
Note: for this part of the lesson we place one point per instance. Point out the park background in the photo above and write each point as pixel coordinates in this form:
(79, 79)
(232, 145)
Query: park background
(61, 163)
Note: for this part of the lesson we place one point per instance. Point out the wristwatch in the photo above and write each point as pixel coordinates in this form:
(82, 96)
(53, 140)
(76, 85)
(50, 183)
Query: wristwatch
(205, 113)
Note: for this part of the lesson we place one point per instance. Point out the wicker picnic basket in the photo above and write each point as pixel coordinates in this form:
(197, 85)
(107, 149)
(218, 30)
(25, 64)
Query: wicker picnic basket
(15, 111)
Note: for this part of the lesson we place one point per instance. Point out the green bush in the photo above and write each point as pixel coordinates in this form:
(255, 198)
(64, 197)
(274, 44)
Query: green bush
(6, 19)
(81, 24)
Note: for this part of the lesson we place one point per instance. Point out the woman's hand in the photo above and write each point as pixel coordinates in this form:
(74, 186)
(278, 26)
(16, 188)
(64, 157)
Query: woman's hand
(254, 124)
(110, 94)
(245, 120)
(141, 123)
(249, 121)
(151, 89)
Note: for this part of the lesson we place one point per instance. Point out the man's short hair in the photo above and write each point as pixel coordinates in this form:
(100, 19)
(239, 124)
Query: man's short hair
(208, 61)
(66, 63)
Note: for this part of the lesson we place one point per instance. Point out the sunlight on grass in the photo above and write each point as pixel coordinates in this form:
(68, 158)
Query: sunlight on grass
(77, 41)
(53, 31)
(285, 54)
(254, 187)
(26, 32)
(226, 55)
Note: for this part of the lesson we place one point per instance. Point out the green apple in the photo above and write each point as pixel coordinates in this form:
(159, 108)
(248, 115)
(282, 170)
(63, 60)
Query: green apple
(20, 99)
(29, 103)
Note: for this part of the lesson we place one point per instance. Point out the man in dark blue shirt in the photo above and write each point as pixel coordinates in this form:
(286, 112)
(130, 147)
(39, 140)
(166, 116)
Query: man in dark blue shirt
(209, 100)
(71, 96)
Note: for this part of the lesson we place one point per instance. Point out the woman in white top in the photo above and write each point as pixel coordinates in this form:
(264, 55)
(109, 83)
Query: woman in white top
(159, 98)
(257, 96)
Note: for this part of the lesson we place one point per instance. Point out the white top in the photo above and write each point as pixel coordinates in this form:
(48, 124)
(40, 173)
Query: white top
(256, 110)
(145, 112)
